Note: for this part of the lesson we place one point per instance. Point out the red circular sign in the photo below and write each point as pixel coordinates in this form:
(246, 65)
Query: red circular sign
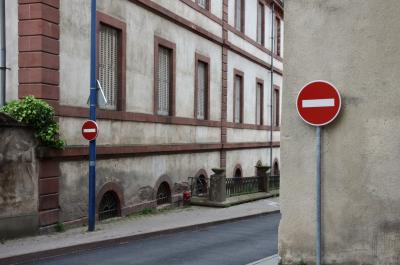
(318, 103)
(90, 130)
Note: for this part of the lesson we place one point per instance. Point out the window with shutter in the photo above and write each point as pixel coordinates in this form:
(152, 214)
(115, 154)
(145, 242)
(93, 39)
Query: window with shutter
(276, 108)
(164, 80)
(202, 82)
(203, 3)
(238, 99)
(239, 15)
(260, 23)
(278, 36)
(109, 63)
(259, 103)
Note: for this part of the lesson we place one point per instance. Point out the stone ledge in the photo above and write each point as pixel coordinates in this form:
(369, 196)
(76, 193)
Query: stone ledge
(230, 201)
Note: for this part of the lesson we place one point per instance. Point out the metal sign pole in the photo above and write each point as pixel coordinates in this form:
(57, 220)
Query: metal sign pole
(318, 237)
(93, 103)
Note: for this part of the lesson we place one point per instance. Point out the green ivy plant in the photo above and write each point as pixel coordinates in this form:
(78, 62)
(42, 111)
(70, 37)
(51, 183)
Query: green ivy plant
(38, 114)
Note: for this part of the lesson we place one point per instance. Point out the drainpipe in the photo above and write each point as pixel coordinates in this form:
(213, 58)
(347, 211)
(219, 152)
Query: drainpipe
(2, 53)
(272, 82)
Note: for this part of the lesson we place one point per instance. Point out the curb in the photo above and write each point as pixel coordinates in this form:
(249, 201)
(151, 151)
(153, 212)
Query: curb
(45, 254)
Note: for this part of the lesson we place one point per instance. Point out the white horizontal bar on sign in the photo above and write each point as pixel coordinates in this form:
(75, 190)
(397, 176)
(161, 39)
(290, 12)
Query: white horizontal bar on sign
(89, 130)
(318, 103)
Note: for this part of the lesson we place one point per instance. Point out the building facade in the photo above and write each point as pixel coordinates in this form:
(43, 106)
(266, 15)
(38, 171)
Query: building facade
(188, 84)
(353, 45)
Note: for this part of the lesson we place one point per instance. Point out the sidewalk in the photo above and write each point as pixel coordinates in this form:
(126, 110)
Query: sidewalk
(273, 260)
(128, 228)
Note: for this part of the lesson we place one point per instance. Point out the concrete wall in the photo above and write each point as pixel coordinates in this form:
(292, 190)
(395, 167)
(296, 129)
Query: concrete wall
(354, 45)
(18, 180)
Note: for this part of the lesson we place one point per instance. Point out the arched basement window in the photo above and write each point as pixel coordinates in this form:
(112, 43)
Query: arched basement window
(109, 206)
(163, 194)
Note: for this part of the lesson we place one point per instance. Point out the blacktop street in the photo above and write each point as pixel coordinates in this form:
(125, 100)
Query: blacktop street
(131, 228)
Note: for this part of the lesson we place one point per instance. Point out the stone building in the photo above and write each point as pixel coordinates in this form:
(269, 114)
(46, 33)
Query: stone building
(355, 46)
(189, 87)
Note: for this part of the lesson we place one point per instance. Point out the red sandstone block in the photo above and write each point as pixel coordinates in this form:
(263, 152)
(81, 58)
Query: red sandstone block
(39, 91)
(38, 27)
(49, 217)
(38, 43)
(39, 59)
(38, 11)
(38, 75)
(47, 202)
(48, 169)
(48, 186)
(53, 3)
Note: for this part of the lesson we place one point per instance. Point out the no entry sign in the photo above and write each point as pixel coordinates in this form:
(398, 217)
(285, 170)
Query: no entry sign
(318, 103)
(90, 130)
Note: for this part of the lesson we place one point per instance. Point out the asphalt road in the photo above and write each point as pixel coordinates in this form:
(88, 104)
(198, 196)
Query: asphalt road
(235, 243)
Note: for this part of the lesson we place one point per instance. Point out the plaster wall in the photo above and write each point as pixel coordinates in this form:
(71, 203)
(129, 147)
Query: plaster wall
(189, 13)
(354, 45)
(248, 159)
(251, 72)
(137, 176)
(131, 133)
(11, 50)
(142, 26)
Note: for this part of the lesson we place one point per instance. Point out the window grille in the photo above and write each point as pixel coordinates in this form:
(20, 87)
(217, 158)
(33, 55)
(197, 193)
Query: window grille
(260, 23)
(201, 90)
(109, 63)
(238, 14)
(238, 85)
(164, 80)
(258, 103)
(203, 3)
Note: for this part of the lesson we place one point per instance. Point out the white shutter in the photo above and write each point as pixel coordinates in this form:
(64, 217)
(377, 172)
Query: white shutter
(259, 22)
(258, 104)
(108, 64)
(238, 83)
(238, 14)
(164, 68)
(201, 90)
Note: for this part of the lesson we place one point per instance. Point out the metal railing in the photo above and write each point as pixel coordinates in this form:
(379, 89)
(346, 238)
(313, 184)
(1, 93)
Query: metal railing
(240, 186)
(273, 183)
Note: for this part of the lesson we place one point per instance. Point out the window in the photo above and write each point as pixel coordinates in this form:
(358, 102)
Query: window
(238, 97)
(202, 87)
(239, 15)
(276, 107)
(109, 61)
(278, 36)
(261, 23)
(259, 102)
(203, 3)
(164, 89)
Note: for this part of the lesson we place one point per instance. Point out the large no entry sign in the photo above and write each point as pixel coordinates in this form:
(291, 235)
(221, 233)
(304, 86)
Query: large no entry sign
(318, 103)
(90, 130)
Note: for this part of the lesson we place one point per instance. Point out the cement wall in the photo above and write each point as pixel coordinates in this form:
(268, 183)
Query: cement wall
(354, 45)
(18, 180)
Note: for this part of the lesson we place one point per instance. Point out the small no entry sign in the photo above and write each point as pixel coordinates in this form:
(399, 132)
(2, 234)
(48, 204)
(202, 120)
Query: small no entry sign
(318, 103)
(90, 130)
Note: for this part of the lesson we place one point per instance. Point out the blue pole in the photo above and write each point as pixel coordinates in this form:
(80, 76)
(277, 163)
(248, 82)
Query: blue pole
(318, 232)
(93, 103)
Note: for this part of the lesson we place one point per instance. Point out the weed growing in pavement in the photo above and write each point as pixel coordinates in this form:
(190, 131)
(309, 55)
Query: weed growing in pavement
(59, 227)
(147, 211)
(302, 263)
